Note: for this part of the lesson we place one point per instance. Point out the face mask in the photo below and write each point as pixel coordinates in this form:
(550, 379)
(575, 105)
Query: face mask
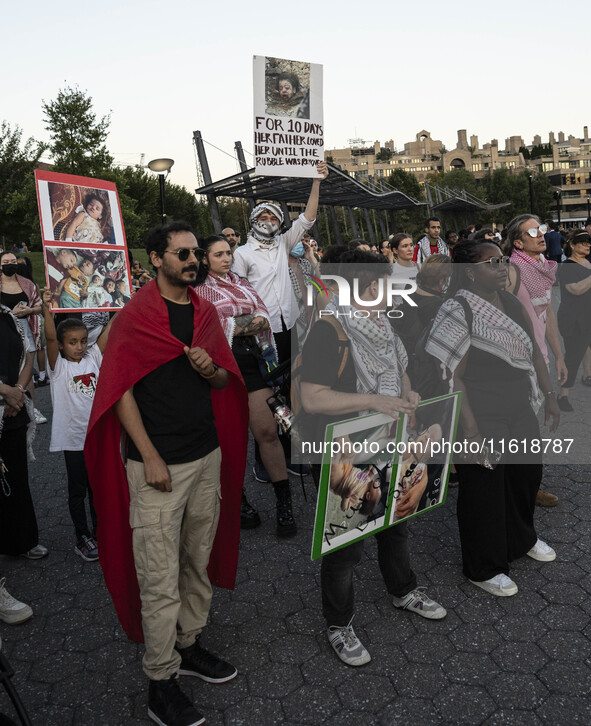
(10, 269)
(298, 251)
(264, 231)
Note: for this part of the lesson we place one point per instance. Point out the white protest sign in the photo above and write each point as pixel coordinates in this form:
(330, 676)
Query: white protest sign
(288, 117)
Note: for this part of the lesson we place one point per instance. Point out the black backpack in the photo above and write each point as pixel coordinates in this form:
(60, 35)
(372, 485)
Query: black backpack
(424, 370)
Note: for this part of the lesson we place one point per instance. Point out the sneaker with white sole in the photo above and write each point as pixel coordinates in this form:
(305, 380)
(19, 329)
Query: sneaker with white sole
(87, 548)
(39, 417)
(347, 645)
(36, 553)
(499, 585)
(542, 552)
(416, 601)
(12, 611)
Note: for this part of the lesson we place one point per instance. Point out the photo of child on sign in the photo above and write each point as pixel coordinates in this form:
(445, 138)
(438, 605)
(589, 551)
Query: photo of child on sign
(288, 117)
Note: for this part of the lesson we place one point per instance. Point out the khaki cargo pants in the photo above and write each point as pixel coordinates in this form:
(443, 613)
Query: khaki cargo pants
(173, 533)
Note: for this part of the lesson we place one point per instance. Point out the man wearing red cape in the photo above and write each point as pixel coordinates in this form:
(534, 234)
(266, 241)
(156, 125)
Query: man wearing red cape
(170, 380)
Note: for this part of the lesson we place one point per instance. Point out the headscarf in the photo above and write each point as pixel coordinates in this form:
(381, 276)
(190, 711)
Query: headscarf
(263, 232)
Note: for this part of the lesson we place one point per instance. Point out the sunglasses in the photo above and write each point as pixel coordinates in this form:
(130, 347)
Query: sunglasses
(495, 261)
(534, 231)
(184, 252)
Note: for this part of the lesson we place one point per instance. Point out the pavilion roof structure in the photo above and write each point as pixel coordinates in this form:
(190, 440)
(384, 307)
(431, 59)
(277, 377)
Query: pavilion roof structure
(458, 200)
(338, 190)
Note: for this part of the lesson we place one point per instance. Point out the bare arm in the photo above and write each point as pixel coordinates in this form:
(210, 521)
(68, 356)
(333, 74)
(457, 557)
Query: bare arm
(553, 339)
(104, 336)
(74, 224)
(53, 349)
(250, 324)
(323, 399)
(155, 469)
(203, 364)
(312, 205)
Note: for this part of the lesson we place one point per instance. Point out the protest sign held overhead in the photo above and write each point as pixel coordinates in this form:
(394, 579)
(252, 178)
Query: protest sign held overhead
(86, 257)
(288, 117)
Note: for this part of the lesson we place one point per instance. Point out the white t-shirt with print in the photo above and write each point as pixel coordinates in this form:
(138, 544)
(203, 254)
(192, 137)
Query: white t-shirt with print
(72, 393)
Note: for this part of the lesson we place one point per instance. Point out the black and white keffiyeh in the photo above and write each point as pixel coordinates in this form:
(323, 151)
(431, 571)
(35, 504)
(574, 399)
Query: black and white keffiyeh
(424, 245)
(379, 355)
(493, 332)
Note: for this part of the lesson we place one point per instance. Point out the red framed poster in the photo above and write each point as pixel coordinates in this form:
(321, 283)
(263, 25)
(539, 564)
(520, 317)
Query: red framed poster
(86, 257)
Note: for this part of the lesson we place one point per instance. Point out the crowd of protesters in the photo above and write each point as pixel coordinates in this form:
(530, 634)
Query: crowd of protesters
(181, 373)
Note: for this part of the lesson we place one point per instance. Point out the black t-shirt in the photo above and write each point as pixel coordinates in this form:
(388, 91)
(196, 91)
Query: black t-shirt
(322, 356)
(175, 401)
(11, 299)
(574, 316)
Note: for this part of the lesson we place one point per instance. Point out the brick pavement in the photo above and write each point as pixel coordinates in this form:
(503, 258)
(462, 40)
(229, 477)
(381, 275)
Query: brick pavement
(521, 660)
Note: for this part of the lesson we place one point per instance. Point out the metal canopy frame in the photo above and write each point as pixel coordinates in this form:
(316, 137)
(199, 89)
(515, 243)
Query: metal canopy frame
(338, 190)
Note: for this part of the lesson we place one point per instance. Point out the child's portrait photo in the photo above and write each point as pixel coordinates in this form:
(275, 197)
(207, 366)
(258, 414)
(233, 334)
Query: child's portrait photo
(287, 88)
(82, 214)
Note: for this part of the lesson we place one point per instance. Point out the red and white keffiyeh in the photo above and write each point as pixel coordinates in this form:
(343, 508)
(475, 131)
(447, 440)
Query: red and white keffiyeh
(538, 276)
(232, 297)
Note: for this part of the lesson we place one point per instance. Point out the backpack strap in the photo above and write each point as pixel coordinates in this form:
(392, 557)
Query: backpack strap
(342, 339)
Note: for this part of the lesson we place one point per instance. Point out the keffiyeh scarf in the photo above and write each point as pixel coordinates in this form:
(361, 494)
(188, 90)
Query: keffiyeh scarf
(424, 245)
(232, 297)
(379, 356)
(493, 332)
(537, 276)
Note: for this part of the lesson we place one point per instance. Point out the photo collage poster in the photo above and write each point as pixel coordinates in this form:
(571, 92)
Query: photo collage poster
(377, 471)
(86, 257)
(288, 117)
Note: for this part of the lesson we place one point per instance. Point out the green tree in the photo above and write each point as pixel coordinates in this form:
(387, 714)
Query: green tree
(19, 219)
(77, 137)
(411, 221)
(461, 179)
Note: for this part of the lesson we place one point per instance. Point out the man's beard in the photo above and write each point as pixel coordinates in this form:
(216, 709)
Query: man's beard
(174, 277)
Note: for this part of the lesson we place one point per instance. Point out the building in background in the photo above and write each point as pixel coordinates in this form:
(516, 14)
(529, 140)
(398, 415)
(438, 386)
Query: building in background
(566, 161)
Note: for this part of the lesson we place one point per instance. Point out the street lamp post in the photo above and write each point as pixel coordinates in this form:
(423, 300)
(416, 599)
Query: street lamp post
(531, 193)
(161, 167)
(588, 207)
(557, 195)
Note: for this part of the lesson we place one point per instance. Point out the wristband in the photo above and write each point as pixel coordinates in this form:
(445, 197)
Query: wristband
(18, 385)
(212, 375)
(550, 393)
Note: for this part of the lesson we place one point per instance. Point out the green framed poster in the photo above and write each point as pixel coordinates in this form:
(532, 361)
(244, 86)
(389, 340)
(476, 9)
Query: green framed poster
(377, 471)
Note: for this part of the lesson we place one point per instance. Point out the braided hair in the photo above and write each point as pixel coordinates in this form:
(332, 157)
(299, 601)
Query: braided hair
(464, 253)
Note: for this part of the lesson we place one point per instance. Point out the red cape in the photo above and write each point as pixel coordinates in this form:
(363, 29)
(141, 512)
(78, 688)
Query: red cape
(139, 341)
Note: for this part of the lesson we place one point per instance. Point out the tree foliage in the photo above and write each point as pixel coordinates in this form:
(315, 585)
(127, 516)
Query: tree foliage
(19, 220)
(77, 137)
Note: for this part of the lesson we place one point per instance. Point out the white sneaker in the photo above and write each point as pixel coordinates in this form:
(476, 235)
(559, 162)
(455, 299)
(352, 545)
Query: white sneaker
(499, 585)
(12, 611)
(37, 553)
(39, 417)
(416, 601)
(542, 552)
(347, 645)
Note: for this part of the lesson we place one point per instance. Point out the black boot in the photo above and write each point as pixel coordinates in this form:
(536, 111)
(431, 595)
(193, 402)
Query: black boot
(286, 526)
(249, 517)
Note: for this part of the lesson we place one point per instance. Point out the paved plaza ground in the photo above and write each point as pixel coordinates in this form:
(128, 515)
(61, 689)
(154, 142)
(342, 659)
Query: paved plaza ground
(522, 660)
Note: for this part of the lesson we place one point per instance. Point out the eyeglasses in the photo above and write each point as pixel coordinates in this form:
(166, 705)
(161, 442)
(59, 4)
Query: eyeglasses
(495, 261)
(184, 252)
(534, 231)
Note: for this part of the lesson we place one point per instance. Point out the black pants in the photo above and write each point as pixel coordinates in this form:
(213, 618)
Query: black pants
(496, 507)
(336, 571)
(78, 487)
(575, 347)
(18, 524)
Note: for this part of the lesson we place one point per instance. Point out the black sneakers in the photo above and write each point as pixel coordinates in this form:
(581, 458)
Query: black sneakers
(286, 526)
(196, 661)
(169, 706)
